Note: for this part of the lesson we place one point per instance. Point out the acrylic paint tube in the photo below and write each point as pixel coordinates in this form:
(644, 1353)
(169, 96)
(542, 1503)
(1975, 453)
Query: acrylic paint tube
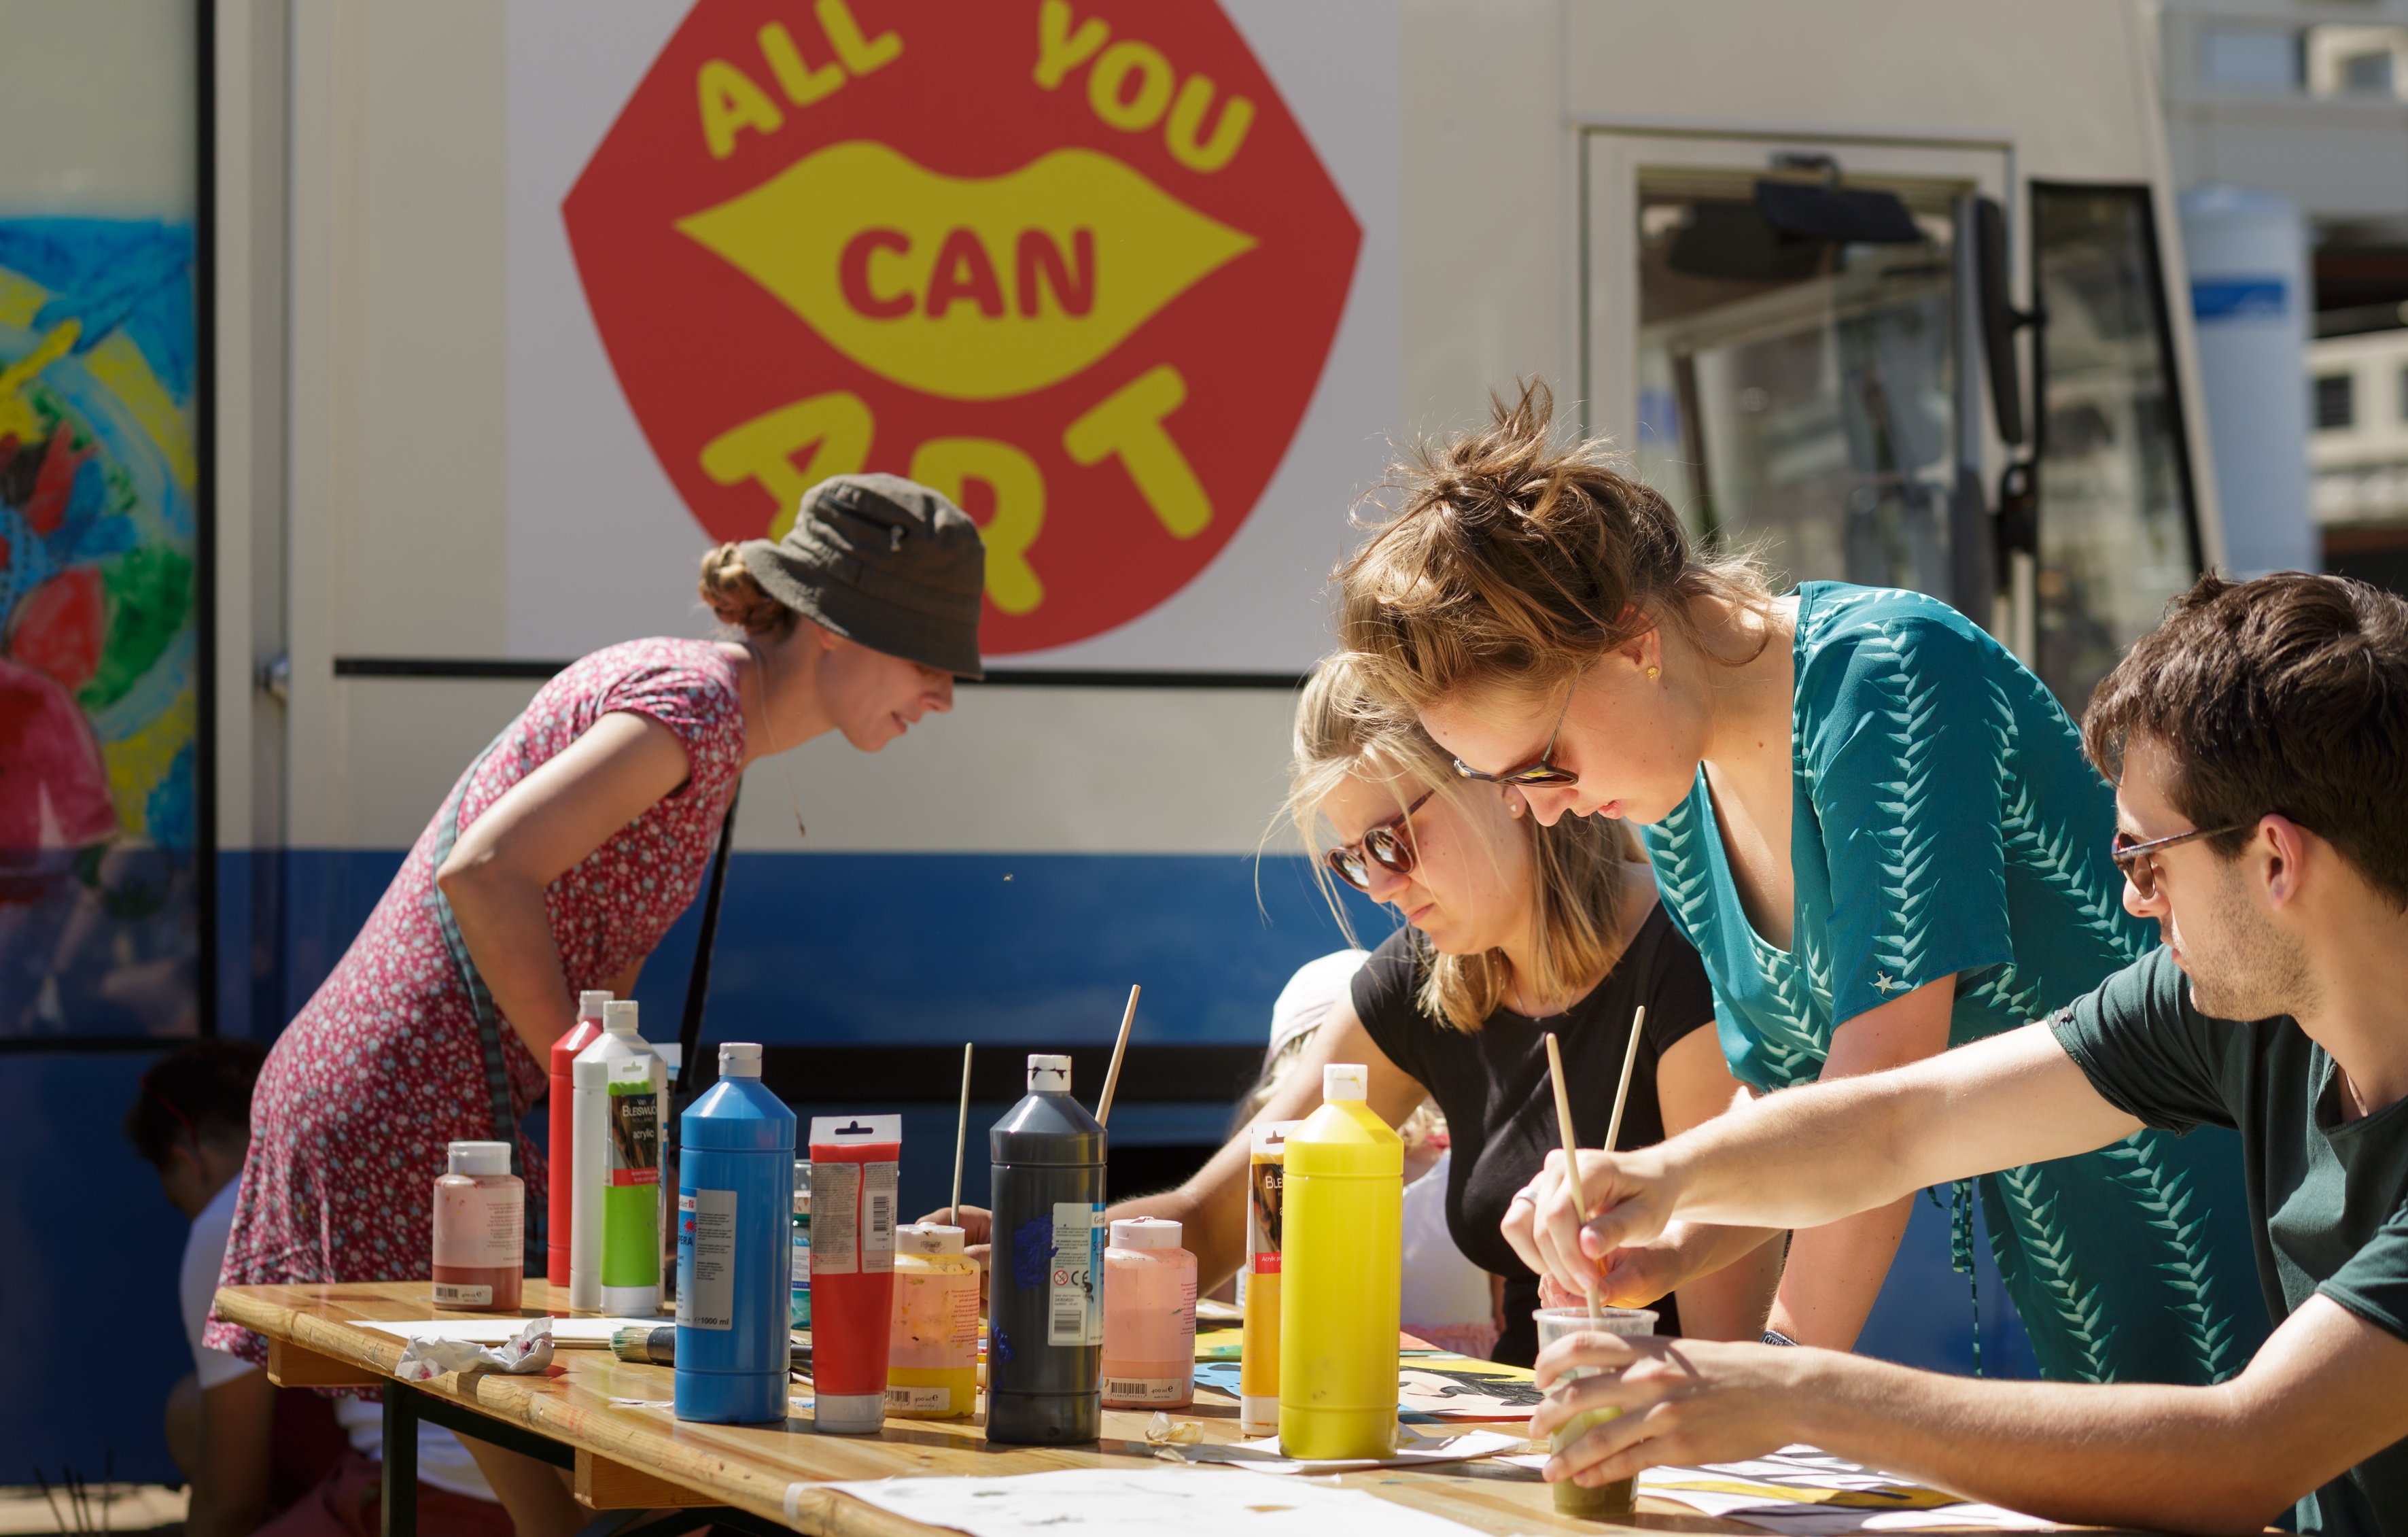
(1258, 1283)
(735, 1173)
(561, 1217)
(1045, 1280)
(621, 1092)
(854, 1159)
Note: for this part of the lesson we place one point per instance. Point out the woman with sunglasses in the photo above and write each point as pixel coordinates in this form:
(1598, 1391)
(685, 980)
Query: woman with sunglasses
(1514, 931)
(1875, 823)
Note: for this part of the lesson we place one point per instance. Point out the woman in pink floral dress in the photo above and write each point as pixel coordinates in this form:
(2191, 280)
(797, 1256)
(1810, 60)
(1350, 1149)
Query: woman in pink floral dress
(558, 860)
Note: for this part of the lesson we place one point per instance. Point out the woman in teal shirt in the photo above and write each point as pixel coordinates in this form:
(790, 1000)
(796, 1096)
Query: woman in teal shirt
(1875, 823)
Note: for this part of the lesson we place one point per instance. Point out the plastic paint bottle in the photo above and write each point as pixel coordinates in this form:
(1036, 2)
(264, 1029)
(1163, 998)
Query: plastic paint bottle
(932, 1357)
(1044, 1285)
(1338, 1276)
(736, 1171)
(798, 1269)
(479, 1210)
(622, 1094)
(1149, 1317)
(560, 1217)
(854, 1159)
(1258, 1283)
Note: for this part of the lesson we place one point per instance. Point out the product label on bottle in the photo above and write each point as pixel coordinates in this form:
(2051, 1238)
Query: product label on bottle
(1266, 1190)
(878, 1181)
(1145, 1389)
(924, 1400)
(798, 1271)
(477, 1226)
(836, 1218)
(452, 1293)
(1074, 1313)
(706, 1258)
(632, 1154)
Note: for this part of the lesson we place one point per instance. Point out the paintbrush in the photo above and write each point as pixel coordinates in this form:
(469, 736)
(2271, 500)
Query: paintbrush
(961, 1141)
(1112, 1075)
(1613, 1127)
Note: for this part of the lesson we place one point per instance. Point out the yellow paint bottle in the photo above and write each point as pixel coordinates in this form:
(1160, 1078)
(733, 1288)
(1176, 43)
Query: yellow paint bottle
(932, 1360)
(1338, 1276)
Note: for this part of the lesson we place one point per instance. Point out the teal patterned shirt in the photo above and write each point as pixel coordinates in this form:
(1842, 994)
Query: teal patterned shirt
(1945, 821)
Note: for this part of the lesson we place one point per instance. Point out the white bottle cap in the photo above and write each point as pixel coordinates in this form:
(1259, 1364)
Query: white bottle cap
(590, 1004)
(739, 1059)
(927, 1237)
(619, 1016)
(1145, 1233)
(1345, 1080)
(1048, 1075)
(479, 1159)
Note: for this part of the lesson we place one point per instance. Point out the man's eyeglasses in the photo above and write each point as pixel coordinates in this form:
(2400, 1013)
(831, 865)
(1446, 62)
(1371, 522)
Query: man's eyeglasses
(2139, 864)
(1391, 843)
(1540, 771)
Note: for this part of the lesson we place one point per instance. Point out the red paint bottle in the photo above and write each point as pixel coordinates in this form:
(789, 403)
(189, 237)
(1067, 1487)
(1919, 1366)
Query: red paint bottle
(563, 1164)
(854, 1160)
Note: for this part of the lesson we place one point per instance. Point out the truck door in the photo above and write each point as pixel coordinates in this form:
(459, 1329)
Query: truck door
(1787, 336)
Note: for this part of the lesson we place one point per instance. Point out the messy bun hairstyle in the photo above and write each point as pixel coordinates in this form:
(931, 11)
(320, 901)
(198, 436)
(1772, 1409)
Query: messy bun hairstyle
(740, 602)
(1512, 559)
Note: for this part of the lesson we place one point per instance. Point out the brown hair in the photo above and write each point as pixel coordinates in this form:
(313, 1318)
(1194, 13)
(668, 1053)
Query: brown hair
(200, 1092)
(2288, 694)
(1345, 730)
(737, 599)
(1513, 559)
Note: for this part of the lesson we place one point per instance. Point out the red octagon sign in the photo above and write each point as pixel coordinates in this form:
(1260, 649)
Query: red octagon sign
(1070, 261)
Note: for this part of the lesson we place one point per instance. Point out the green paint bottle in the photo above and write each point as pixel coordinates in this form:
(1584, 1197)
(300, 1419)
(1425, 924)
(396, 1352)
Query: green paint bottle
(628, 1082)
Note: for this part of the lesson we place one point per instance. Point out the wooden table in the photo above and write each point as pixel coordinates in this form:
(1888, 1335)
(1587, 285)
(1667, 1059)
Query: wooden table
(637, 1458)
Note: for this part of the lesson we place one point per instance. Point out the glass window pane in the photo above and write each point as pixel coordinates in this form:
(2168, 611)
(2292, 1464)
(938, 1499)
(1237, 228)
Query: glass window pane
(1796, 395)
(99, 519)
(2117, 530)
(2255, 59)
(2335, 405)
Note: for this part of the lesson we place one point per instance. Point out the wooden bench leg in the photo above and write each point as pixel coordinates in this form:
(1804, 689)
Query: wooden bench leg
(604, 1485)
(289, 1365)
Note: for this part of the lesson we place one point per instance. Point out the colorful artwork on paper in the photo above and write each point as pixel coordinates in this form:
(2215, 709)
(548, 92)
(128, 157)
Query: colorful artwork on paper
(98, 640)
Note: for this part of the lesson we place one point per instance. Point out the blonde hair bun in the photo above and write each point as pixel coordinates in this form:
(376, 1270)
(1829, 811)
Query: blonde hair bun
(737, 599)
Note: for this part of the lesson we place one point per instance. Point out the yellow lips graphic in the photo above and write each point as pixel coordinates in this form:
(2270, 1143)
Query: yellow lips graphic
(971, 289)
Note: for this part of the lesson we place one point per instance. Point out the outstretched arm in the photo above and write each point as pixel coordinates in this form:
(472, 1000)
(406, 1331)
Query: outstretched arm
(1811, 1155)
(2322, 1394)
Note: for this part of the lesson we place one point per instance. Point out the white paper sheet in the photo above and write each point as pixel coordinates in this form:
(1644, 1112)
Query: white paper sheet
(1160, 1502)
(1413, 1451)
(1802, 1492)
(565, 1332)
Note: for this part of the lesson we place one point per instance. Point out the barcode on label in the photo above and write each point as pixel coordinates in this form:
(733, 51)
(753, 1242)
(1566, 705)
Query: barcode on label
(1125, 1390)
(878, 1181)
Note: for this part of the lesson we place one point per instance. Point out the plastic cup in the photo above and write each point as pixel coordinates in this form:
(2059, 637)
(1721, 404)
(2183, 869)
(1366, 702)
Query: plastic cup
(1615, 1499)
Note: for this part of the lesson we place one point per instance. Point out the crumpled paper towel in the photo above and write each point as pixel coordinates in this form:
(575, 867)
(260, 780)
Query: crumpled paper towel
(427, 1357)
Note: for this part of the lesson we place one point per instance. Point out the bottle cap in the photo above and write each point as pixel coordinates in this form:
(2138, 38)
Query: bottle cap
(802, 1187)
(1345, 1080)
(1048, 1075)
(739, 1059)
(619, 1016)
(849, 1414)
(479, 1159)
(1145, 1233)
(590, 1002)
(927, 1237)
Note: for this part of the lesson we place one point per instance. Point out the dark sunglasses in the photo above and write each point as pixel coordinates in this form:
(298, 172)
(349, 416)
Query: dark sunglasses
(1391, 843)
(1540, 770)
(2137, 861)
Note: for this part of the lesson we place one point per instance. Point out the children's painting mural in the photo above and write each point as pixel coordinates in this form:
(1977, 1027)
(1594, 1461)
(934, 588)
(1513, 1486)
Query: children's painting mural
(99, 642)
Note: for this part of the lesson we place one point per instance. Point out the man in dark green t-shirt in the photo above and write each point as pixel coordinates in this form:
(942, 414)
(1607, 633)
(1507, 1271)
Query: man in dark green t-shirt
(2259, 742)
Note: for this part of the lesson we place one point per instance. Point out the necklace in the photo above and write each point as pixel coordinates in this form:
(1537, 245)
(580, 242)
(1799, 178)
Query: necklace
(770, 733)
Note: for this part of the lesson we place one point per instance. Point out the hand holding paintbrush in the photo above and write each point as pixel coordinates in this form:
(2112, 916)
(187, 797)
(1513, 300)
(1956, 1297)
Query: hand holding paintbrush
(1613, 1127)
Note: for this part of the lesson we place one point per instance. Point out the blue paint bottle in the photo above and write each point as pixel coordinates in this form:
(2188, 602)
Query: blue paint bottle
(735, 1200)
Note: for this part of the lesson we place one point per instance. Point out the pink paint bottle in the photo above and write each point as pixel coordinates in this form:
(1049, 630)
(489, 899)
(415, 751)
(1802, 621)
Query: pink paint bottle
(1149, 1317)
(480, 1207)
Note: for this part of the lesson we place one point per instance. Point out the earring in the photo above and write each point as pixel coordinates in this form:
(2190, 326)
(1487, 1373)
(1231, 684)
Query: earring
(1651, 673)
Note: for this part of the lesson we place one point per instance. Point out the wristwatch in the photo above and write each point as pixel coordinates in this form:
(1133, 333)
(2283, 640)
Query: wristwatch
(1774, 1336)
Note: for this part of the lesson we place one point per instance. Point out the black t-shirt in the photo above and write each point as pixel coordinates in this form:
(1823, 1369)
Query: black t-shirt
(1500, 1109)
(2328, 1198)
